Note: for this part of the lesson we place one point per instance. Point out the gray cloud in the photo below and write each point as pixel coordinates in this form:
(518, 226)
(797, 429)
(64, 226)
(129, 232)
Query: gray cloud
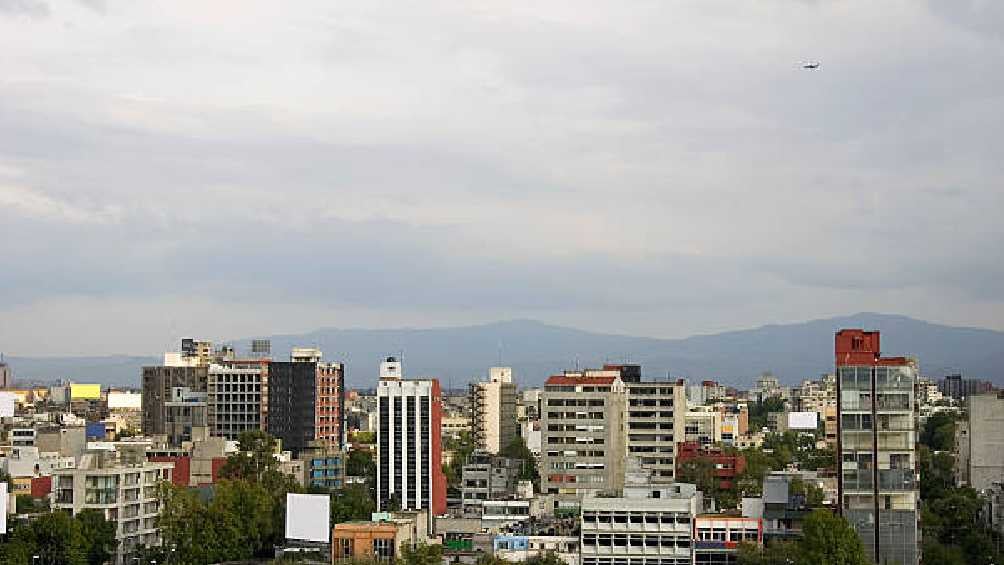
(664, 170)
(30, 8)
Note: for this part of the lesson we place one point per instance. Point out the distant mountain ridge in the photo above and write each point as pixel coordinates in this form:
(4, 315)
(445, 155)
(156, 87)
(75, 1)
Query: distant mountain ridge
(458, 355)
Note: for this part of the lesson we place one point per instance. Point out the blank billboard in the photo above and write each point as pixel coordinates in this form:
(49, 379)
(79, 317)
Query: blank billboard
(307, 517)
(7, 402)
(802, 420)
(3, 508)
(125, 400)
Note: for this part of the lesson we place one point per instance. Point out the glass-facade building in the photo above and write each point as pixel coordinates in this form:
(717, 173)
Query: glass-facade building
(877, 436)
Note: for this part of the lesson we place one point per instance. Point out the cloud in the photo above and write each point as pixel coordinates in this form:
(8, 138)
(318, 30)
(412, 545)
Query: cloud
(662, 170)
(29, 8)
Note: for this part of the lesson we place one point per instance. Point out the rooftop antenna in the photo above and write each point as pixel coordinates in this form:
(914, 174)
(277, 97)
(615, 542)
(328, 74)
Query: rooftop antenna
(500, 353)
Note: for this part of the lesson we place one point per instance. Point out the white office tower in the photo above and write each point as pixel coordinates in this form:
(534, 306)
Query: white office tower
(409, 449)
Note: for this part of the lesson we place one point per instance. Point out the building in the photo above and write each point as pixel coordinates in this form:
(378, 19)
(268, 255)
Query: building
(958, 388)
(518, 548)
(409, 443)
(186, 416)
(727, 465)
(703, 425)
(324, 466)
(235, 393)
(380, 540)
(493, 410)
(123, 487)
(6, 376)
(163, 388)
(488, 477)
(582, 435)
(877, 435)
(644, 523)
(982, 441)
(656, 420)
(305, 400)
(717, 538)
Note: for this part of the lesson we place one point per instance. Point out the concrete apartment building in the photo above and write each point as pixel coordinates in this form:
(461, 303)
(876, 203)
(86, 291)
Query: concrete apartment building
(656, 418)
(583, 440)
(165, 389)
(487, 477)
(642, 524)
(493, 410)
(981, 442)
(876, 485)
(123, 486)
(305, 400)
(235, 393)
(409, 443)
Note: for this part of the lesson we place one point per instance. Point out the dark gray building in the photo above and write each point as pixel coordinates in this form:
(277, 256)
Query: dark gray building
(165, 387)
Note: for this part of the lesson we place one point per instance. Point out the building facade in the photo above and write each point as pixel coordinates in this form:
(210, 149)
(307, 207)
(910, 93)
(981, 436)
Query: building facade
(493, 410)
(656, 419)
(235, 394)
(409, 449)
(582, 435)
(305, 400)
(643, 524)
(982, 441)
(488, 477)
(125, 492)
(877, 436)
(167, 384)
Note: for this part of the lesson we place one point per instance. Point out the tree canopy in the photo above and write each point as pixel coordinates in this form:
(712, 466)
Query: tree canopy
(57, 537)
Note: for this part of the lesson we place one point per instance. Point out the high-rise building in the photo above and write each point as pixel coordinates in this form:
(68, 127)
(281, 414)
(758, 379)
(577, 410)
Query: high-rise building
(235, 393)
(876, 438)
(656, 417)
(174, 400)
(409, 443)
(305, 401)
(6, 377)
(582, 435)
(982, 444)
(493, 410)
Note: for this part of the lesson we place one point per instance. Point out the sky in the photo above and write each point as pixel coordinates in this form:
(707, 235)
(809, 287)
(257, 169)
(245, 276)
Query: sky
(233, 168)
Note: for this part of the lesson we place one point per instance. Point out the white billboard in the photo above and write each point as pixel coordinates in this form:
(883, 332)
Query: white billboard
(307, 517)
(7, 402)
(802, 420)
(3, 508)
(125, 400)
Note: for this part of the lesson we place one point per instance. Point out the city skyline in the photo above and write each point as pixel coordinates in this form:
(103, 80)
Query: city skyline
(668, 171)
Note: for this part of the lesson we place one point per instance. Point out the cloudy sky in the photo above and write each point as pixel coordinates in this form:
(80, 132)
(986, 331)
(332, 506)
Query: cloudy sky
(233, 168)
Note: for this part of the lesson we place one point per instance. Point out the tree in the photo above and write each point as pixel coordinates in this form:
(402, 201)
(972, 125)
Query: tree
(517, 449)
(255, 458)
(701, 472)
(939, 432)
(352, 502)
(827, 539)
(547, 558)
(758, 411)
(422, 554)
(55, 537)
(97, 535)
(364, 437)
(772, 553)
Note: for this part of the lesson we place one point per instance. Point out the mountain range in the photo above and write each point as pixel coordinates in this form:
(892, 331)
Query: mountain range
(458, 355)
